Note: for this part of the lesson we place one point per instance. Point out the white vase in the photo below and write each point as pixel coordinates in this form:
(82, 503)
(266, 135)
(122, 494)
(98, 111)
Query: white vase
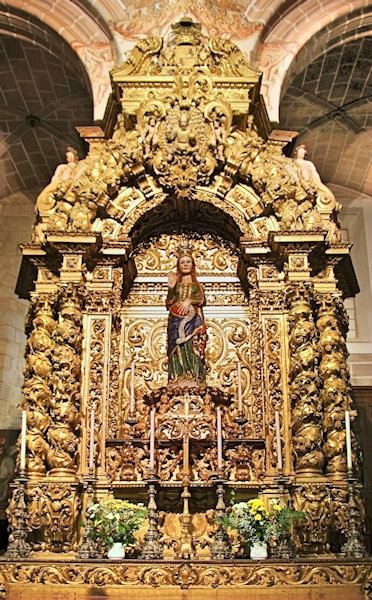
(116, 551)
(258, 550)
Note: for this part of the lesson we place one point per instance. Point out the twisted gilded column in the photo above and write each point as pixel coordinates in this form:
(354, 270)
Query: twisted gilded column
(65, 383)
(335, 393)
(37, 395)
(304, 383)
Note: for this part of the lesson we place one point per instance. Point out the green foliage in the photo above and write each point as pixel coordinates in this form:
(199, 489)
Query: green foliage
(284, 516)
(113, 520)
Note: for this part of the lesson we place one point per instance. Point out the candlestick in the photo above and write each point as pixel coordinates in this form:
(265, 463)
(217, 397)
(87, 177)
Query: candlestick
(152, 439)
(240, 401)
(349, 462)
(219, 439)
(23, 440)
(91, 440)
(131, 406)
(278, 441)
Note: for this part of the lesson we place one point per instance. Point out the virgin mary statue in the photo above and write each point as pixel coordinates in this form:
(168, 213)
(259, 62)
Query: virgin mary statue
(186, 327)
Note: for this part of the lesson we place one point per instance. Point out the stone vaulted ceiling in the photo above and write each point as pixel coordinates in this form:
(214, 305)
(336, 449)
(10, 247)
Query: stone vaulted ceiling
(55, 58)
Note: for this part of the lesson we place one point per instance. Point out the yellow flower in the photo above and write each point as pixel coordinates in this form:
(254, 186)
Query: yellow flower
(258, 517)
(256, 503)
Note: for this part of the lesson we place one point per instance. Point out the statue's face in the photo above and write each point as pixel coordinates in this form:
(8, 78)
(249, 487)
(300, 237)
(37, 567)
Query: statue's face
(301, 152)
(185, 265)
(70, 157)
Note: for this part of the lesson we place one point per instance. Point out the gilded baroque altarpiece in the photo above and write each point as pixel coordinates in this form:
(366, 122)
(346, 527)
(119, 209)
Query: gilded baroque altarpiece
(186, 155)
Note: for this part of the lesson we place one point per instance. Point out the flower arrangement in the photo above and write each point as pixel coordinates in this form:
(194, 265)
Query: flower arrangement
(251, 520)
(114, 520)
(256, 523)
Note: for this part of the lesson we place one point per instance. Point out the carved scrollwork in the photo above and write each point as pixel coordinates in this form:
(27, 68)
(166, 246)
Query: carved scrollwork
(53, 516)
(340, 517)
(183, 159)
(229, 58)
(273, 336)
(296, 204)
(127, 463)
(140, 57)
(171, 573)
(315, 500)
(245, 463)
(74, 206)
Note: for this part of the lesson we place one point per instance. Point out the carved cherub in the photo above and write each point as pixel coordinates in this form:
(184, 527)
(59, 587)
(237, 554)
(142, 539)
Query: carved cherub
(150, 135)
(218, 138)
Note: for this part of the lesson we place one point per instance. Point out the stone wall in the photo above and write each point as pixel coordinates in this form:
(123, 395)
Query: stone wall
(16, 219)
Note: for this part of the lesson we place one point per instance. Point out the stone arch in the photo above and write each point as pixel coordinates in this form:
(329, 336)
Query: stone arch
(337, 112)
(346, 28)
(22, 25)
(278, 54)
(56, 81)
(80, 37)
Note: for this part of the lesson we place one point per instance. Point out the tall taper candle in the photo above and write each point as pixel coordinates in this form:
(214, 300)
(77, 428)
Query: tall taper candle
(91, 440)
(131, 406)
(278, 440)
(23, 440)
(219, 439)
(240, 400)
(152, 439)
(349, 462)
(186, 439)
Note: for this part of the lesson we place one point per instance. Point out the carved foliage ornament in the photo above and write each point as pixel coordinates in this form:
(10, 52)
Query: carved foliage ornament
(184, 575)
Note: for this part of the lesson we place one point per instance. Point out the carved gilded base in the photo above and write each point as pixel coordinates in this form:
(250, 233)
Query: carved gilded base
(67, 579)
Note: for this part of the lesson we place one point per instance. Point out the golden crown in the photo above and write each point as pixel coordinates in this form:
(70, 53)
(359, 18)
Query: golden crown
(184, 249)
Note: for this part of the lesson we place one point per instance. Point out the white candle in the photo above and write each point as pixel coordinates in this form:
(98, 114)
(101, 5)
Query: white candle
(219, 439)
(152, 439)
(348, 441)
(131, 406)
(23, 440)
(240, 400)
(91, 440)
(185, 450)
(186, 439)
(278, 440)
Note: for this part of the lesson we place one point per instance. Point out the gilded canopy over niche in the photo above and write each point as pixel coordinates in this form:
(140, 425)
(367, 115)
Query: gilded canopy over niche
(187, 127)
